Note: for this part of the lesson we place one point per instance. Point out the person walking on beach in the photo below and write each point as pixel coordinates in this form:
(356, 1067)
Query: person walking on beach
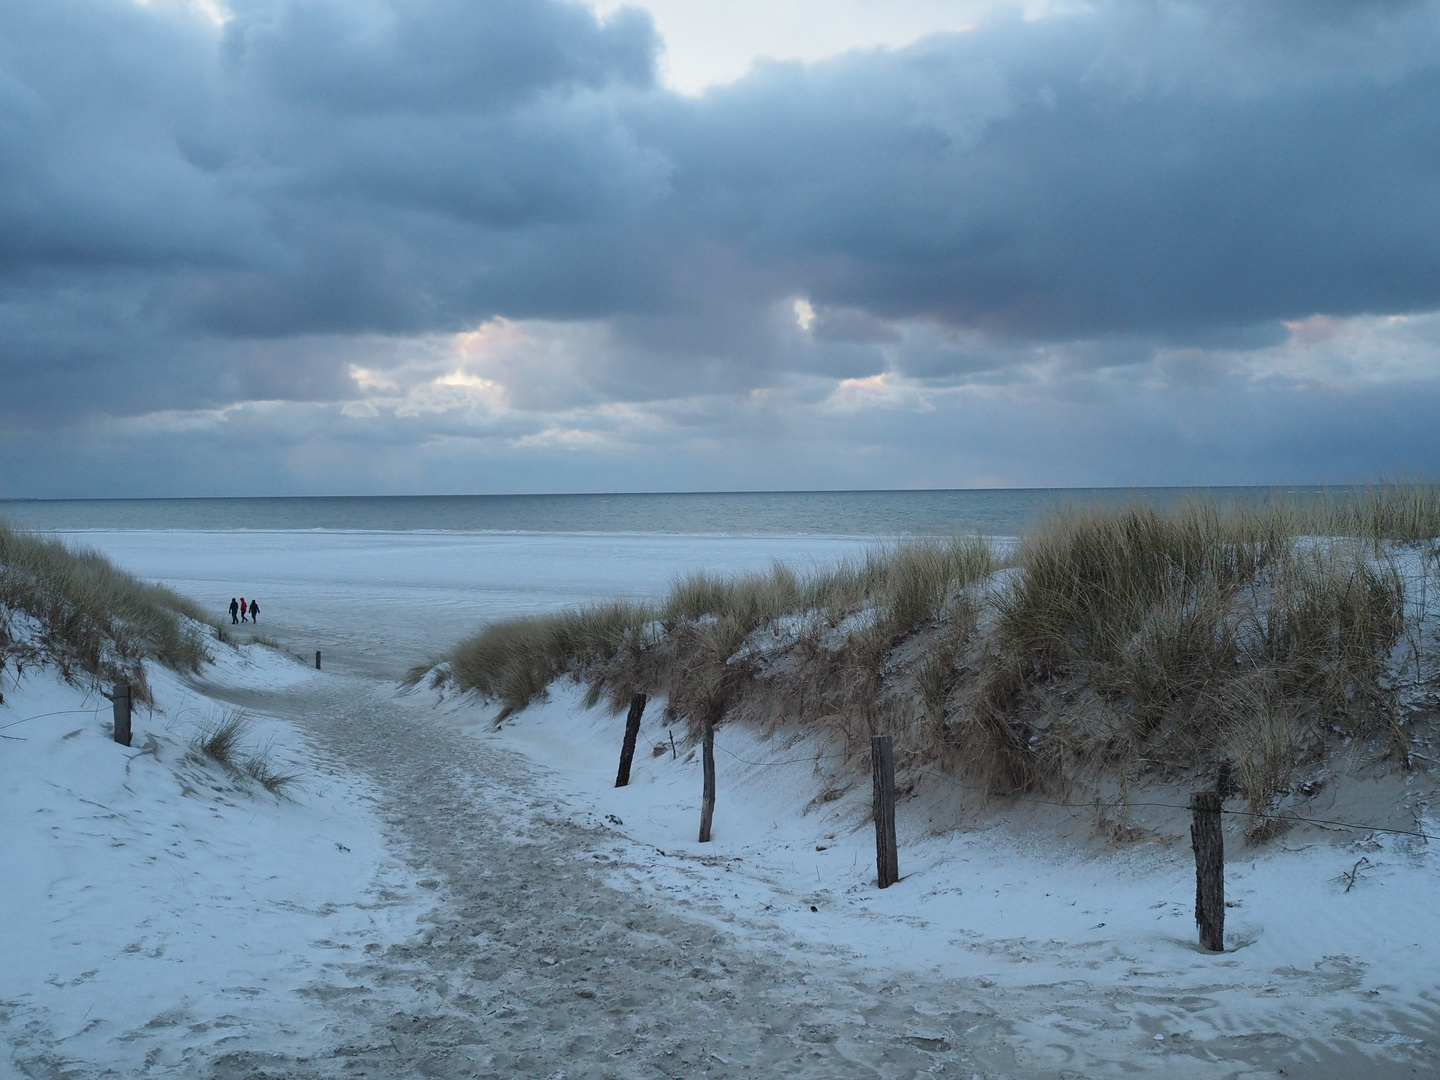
(234, 610)
(242, 609)
(254, 611)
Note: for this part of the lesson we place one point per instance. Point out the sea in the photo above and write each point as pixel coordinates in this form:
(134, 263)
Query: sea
(876, 514)
(383, 584)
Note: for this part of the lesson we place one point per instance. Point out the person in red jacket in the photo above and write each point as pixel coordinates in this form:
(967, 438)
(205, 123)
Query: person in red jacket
(243, 609)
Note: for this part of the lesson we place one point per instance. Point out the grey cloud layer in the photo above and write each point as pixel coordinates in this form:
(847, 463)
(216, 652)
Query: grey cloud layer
(1094, 174)
(185, 210)
(1142, 165)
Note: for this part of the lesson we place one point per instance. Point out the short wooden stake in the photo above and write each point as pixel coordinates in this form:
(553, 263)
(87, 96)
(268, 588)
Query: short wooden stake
(632, 732)
(882, 773)
(707, 757)
(1208, 841)
(317, 659)
(120, 703)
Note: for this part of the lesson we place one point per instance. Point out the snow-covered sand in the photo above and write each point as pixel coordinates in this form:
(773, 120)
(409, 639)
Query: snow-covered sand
(154, 909)
(1307, 958)
(1083, 958)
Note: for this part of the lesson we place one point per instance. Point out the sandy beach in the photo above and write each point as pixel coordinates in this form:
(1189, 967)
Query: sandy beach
(450, 898)
(997, 436)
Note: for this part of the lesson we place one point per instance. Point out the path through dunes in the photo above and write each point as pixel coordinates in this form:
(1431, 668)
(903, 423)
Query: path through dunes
(533, 964)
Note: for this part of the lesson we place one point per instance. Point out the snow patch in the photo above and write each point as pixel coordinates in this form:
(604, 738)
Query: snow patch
(156, 906)
(793, 860)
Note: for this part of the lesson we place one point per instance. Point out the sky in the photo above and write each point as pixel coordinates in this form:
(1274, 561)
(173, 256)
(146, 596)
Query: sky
(254, 247)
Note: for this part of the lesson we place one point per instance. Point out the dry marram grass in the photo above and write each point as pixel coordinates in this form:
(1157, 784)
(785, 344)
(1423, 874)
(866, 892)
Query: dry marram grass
(92, 618)
(1109, 642)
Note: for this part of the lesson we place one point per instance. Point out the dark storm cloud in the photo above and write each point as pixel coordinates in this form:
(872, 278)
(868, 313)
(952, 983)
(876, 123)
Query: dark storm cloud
(192, 215)
(434, 56)
(1150, 168)
(317, 167)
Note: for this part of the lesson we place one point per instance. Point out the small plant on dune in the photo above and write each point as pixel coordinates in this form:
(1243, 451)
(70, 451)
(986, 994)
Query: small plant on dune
(918, 580)
(223, 739)
(220, 738)
(702, 678)
(1261, 729)
(261, 768)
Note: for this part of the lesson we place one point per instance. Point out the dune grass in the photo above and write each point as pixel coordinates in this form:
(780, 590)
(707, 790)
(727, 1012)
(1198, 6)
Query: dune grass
(223, 739)
(1202, 634)
(513, 662)
(1404, 513)
(220, 737)
(1108, 640)
(92, 617)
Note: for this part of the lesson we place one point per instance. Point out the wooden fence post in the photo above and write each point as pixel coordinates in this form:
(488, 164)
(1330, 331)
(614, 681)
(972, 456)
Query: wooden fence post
(707, 754)
(317, 659)
(632, 732)
(120, 703)
(1208, 841)
(882, 773)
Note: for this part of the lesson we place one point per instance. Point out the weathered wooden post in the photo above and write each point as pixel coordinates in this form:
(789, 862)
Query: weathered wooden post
(632, 732)
(317, 659)
(1208, 841)
(120, 704)
(882, 774)
(707, 757)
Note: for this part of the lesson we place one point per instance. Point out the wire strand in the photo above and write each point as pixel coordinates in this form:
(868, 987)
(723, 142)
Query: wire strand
(791, 761)
(41, 716)
(1287, 816)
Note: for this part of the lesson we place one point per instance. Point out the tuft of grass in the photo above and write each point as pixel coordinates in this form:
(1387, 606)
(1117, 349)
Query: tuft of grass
(1091, 580)
(261, 768)
(220, 739)
(908, 584)
(749, 600)
(223, 740)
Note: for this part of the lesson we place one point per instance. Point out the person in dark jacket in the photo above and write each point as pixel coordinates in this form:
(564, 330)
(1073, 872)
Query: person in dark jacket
(254, 611)
(234, 610)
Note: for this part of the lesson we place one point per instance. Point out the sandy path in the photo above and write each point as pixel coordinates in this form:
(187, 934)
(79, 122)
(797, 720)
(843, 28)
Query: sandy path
(532, 965)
